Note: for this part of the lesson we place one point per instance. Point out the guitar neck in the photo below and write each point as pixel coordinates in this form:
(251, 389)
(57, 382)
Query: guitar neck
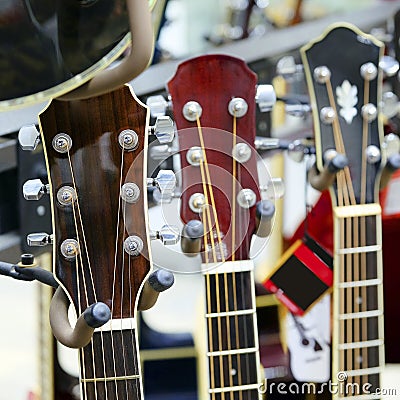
(110, 366)
(358, 297)
(232, 341)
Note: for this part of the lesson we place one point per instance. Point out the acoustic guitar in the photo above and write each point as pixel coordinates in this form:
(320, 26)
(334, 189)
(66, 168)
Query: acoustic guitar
(213, 99)
(96, 157)
(344, 82)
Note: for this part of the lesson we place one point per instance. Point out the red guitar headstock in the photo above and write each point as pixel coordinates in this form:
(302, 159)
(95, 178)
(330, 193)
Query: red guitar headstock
(213, 100)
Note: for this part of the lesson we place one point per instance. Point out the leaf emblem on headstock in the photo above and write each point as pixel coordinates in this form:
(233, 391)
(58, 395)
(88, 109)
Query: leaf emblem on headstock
(347, 99)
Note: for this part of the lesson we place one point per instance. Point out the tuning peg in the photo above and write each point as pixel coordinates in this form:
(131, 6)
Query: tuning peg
(158, 105)
(163, 151)
(163, 129)
(159, 199)
(274, 189)
(165, 182)
(34, 189)
(389, 66)
(168, 234)
(192, 234)
(28, 137)
(264, 144)
(39, 239)
(265, 97)
(390, 105)
(287, 67)
(334, 162)
(265, 211)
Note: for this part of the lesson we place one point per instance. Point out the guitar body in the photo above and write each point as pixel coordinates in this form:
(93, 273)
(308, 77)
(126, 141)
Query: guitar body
(89, 162)
(344, 82)
(202, 93)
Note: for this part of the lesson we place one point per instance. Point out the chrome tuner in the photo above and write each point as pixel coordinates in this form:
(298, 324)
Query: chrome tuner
(158, 106)
(265, 97)
(168, 234)
(165, 182)
(163, 129)
(34, 189)
(28, 137)
(287, 67)
(39, 239)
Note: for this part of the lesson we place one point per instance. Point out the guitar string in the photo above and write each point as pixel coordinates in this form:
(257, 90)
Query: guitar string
(236, 319)
(363, 199)
(347, 197)
(79, 258)
(207, 184)
(244, 227)
(210, 231)
(115, 266)
(122, 293)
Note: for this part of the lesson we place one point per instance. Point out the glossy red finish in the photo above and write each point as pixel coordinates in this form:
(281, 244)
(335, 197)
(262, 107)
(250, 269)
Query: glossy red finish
(213, 81)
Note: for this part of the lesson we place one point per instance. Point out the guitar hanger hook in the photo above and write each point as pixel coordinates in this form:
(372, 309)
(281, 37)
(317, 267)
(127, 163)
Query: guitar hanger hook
(141, 52)
(98, 313)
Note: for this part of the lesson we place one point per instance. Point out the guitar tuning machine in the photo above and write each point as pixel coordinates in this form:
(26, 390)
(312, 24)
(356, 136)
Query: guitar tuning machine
(39, 239)
(288, 69)
(165, 182)
(274, 189)
(265, 97)
(163, 129)
(158, 105)
(28, 137)
(34, 189)
(168, 234)
(389, 66)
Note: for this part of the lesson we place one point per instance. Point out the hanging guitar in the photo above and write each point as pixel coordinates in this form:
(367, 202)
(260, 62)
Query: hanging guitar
(96, 157)
(221, 208)
(344, 83)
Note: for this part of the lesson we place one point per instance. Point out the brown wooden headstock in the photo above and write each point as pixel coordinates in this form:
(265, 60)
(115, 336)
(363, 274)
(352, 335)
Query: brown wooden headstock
(98, 197)
(213, 100)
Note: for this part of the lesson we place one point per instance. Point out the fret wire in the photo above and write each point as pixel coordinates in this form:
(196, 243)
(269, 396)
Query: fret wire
(228, 352)
(367, 343)
(234, 388)
(231, 313)
(111, 378)
(361, 249)
(361, 314)
(367, 282)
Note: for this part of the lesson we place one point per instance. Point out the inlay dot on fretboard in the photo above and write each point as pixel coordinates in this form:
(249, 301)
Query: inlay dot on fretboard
(359, 300)
(359, 359)
(233, 371)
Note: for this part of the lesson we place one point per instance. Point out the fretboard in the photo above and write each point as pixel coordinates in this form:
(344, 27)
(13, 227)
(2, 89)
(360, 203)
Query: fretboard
(110, 366)
(358, 337)
(232, 340)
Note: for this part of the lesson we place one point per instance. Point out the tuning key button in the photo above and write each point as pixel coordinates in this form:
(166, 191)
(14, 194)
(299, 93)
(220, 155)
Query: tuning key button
(287, 67)
(158, 105)
(163, 129)
(373, 154)
(34, 189)
(165, 182)
(168, 234)
(389, 66)
(265, 97)
(390, 105)
(28, 137)
(39, 239)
